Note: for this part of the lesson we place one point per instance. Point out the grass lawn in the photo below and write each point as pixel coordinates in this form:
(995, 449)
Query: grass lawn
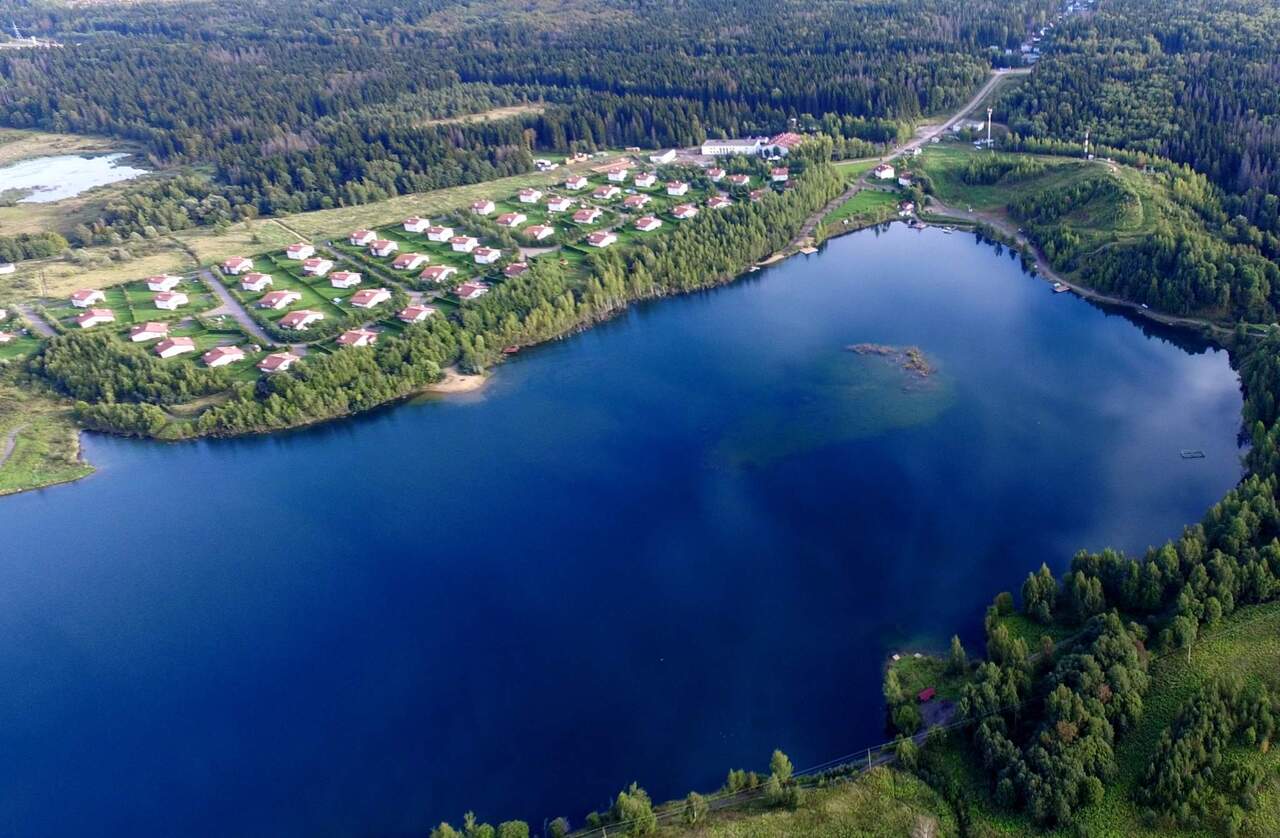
(944, 165)
(46, 443)
(867, 205)
(56, 279)
(20, 347)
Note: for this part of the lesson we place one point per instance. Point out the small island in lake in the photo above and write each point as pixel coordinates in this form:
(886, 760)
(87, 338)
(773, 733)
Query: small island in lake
(910, 358)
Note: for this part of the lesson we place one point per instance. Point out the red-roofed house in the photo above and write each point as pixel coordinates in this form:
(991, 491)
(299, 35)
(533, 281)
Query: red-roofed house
(221, 356)
(618, 174)
(95, 316)
(739, 180)
(648, 224)
(415, 313)
(756, 194)
(715, 174)
(358, 338)
(486, 255)
(471, 290)
(538, 232)
(345, 279)
(587, 216)
(786, 141)
(515, 269)
(299, 251)
(410, 261)
(602, 238)
(86, 297)
(636, 201)
(278, 362)
(383, 248)
(512, 219)
(302, 318)
(560, 204)
(684, 211)
(148, 331)
(169, 347)
(529, 196)
(463, 244)
(237, 265)
(370, 297)
(576, 182)
(416, 225)
(360, 238)
(316, 266)
(164, 282)
(606, 193)
(483, 207)
(677, 188)
(438, 273)
(718, 202)
(256, 282)
(883, 172)
(277, 300)
(780, 174)
(170, 300)
(646, 180)
(439, 234)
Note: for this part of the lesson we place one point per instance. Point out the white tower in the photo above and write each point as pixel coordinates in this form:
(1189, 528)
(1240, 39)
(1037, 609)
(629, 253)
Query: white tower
(988, 127)
(1086, 144)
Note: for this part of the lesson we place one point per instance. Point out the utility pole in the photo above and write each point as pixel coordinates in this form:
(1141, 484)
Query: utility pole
(1086, 144)
(989, 127)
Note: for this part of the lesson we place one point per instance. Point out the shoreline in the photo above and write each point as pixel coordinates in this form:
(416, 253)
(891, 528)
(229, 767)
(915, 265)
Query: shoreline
(457, 382)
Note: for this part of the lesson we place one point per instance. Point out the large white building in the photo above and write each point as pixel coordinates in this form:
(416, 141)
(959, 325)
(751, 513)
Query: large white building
(725, 148)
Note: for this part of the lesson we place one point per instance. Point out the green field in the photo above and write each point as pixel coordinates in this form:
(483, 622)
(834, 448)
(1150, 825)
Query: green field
(45, 441)
(868, 206)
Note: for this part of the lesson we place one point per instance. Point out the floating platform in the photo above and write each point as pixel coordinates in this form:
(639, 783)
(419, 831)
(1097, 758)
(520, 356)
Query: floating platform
(1059, 288)
(808, 249)
(1192, 454)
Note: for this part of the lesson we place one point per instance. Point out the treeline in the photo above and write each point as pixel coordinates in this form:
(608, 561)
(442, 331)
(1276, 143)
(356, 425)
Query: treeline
(31, 246)
(990, 169)
(1187, 780)
(543, 303)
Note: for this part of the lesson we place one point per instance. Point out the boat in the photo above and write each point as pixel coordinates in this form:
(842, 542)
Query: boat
(948, 230)
(1191, 454)
(510, 350)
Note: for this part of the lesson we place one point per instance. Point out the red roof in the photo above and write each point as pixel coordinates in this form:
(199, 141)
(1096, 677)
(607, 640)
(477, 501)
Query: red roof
(927, 693)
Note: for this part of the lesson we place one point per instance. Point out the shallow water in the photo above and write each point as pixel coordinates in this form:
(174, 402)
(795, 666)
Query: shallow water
(652, 552)
(46, 179)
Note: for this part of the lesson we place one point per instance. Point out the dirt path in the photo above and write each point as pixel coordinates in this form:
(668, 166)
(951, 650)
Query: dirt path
(929, 132)
(10, 442)
(37, 322)
(231, 306)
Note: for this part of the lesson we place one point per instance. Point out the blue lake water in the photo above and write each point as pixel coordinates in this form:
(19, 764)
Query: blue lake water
(46, 179)
(652, 552)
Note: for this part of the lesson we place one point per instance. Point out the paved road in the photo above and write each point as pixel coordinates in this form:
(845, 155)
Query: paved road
(37, 322)
(231, 306)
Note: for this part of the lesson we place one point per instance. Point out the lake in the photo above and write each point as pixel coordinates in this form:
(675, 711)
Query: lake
(43, 180)
(653, 551)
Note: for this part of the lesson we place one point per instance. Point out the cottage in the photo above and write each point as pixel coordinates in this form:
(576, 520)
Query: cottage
(606, 193)
(715, 174)
(437, 273)
(718, 202)
(781, 145)
(256, 282)
(538, 232)
(164, 282)
(410, 261)
(602, 238)
(86, 297)
(299, 251)
(278, 362)
(663, 158)
(316, 266)
(780, 174)
(237, 265)
(471, 290)
(439, 234)
(756, 194)
(486, 255)
(587, 216)
(362, 238)
(414, 225)
(512, 219)
(483, 207)
(170, 347)
(883, 172)
(636, 201)
(677, 188)
(221, 356)
(905, 180)
(383, 248)
(648, 224)
(170, 300)
(463, 244)
(739, 180)
(301, 319)
(576, 182)
(906, 208)
(560, 204)
(515, 269)
(345, 279)
(276, 300)
(618, 174)
(358, 337)
(415, 313)
(529, 195)
(646, 180)
(95, 316)
(684, 211)
(370, 297)
(148, 331)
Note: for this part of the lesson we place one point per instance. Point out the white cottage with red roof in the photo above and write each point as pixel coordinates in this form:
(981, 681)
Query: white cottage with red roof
(370, 297)
(237, 265)
(95, 317)
(512, 219)
(538, 232)
(463, 244)
(345, 279)
(560, 204)
(361, 238)
(383, 248)
(276, 300)
(278, 362)
(356, 338)
(677, 188)
(439, 234)
(586, 216)
(471, 290)
(256, 282)
(648, 224)
(602, 238)
(415, 313)
(163, 282)
(410, 261)
(515, 269)
(148, 331)
(528, 195)
(437, 273)
(486, 255)
(576, 182)
(606, 193)
(645, 180)
(172, 347)
(170, 300)
(299, 251)
(221, 356)
(316, 266)
(684, 211)
(303, 318)
(86, 297)
(483, 207)
(417, 225)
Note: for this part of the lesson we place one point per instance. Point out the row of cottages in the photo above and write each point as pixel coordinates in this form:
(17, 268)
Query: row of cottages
(95, 317)
(437, 273)
(471, 290)
(299, 251)
(301, 319)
